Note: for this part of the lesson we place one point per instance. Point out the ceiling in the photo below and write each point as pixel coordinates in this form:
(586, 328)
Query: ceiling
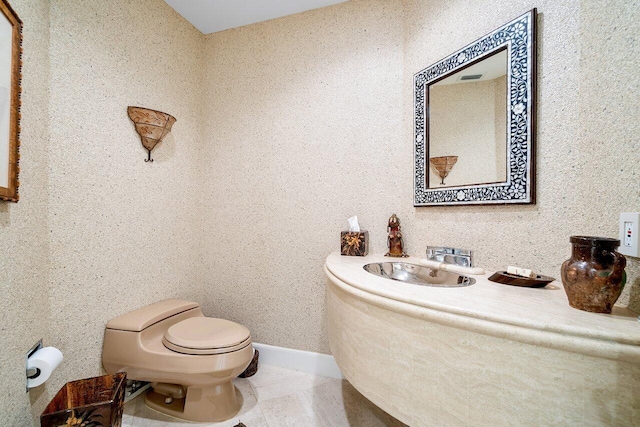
(210, 16)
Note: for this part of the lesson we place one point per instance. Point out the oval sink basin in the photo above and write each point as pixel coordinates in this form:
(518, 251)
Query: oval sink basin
(418, 274)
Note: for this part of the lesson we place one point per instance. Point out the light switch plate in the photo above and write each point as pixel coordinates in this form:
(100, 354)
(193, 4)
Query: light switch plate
(629, 234)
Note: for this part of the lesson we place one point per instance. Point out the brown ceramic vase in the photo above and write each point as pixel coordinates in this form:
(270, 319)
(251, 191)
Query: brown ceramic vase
(594, 276)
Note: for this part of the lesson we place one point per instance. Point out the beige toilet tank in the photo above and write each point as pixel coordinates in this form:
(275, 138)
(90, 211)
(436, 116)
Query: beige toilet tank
(142, 318)
(131, 340)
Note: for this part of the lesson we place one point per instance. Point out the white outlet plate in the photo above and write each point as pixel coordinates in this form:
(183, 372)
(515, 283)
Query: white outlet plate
(630, 234)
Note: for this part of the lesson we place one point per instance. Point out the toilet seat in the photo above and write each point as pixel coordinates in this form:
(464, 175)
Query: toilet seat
(206, 335)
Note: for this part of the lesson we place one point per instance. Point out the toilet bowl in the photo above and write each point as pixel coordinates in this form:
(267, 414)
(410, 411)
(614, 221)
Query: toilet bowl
(189, 359)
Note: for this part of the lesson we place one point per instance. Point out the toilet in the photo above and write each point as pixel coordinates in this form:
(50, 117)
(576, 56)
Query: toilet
(190, 360)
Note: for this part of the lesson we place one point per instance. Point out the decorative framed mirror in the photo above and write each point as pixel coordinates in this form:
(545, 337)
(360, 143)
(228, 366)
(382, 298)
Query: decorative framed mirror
(10, 66)
(474, 121)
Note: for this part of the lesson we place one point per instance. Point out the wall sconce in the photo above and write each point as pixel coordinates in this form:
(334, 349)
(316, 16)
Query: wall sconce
(443, 165)
(151, 125)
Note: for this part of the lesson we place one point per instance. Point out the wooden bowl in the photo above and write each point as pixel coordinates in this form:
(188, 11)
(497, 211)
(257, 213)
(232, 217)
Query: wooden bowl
(513, 280)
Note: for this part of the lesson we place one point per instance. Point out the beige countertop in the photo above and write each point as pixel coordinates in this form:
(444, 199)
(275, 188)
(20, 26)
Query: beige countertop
(540, 316)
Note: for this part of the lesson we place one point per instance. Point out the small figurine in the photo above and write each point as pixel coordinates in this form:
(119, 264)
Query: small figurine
(394, 240)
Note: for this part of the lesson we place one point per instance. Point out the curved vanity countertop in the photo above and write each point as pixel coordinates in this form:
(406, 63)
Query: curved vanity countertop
(539, 316)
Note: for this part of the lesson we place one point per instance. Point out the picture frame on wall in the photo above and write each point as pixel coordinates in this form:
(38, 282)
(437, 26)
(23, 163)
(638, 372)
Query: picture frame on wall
(10, 76)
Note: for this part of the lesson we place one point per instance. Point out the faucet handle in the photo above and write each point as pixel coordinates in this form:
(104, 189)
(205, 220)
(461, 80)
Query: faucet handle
(455, 256)
(451, 268)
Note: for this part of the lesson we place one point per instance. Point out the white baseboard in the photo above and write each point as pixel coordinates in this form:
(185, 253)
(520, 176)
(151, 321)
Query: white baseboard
(298, 360)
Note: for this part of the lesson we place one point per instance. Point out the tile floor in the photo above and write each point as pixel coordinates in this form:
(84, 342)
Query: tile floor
(277, 397)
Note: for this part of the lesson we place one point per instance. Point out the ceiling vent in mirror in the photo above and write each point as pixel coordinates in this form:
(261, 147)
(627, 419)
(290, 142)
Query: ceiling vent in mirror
(471, 77)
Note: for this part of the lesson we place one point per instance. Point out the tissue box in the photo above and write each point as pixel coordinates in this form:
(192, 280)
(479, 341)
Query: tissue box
(354, 243)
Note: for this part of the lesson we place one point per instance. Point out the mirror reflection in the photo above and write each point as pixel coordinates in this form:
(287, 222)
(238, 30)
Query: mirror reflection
(468, 120)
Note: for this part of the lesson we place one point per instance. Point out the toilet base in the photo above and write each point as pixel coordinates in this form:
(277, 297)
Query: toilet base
(202, 403)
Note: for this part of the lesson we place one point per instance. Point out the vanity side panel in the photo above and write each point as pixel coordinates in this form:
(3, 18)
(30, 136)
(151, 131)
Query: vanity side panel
(361, 344)
(428, 374)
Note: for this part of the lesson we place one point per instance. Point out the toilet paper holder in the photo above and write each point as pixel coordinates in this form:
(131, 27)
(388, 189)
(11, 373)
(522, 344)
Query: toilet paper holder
(33, 372)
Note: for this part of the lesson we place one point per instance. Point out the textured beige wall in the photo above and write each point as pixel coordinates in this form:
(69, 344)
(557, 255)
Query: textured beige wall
(284, 130)
(97, 231)
(587, 119)
(24, 263)
(309, 121)
(500, 139)
(124, 233)
(303, 123)
(469, 121)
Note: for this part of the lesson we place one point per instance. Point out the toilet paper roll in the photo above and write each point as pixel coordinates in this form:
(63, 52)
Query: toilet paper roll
(44, 361)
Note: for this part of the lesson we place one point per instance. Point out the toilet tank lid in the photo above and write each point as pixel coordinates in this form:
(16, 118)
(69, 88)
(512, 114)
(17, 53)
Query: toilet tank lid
(138, 320)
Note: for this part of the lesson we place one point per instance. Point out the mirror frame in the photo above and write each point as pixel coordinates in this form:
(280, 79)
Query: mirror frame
(10, 193)
(519, 38)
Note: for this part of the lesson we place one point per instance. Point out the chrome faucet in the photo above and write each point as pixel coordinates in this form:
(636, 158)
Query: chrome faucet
(461, 257)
